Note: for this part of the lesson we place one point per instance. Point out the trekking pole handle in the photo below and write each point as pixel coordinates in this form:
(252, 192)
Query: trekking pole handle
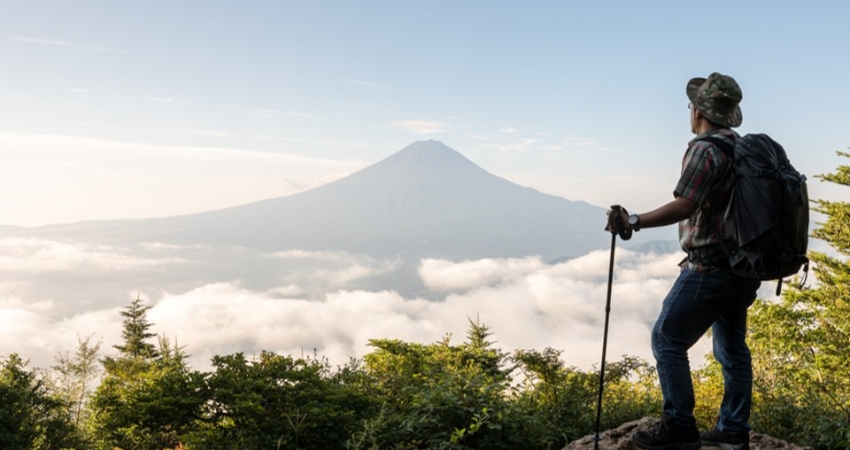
(621, 226)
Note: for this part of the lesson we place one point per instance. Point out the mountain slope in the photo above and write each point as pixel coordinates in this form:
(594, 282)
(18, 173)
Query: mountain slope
(426, 200)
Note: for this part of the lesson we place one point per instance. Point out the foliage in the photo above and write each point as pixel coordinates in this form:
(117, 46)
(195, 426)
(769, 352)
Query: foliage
(439, 396)
(74, 377)
(473, 396)
(563, 400)
(278, 401)
(708, 392)
(30, 416)
(149, 396)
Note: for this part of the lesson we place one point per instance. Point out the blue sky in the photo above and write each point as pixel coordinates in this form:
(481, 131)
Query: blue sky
(140, 109)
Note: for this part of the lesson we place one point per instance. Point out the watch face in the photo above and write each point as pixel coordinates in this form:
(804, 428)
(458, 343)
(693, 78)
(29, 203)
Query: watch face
(633, 220)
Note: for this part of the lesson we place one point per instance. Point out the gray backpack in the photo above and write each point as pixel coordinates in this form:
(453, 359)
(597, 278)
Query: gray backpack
(770, 203)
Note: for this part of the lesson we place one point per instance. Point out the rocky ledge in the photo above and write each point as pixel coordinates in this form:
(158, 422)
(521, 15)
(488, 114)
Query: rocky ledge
(619, 439)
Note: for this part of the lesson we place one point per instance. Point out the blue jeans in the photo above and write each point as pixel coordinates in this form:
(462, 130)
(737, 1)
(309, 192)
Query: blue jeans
(697, 301)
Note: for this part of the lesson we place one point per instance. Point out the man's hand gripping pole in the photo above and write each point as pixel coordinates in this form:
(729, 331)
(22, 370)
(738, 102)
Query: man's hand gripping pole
(615, 218)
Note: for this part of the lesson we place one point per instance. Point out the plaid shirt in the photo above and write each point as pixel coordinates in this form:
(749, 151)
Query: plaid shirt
(707, 180)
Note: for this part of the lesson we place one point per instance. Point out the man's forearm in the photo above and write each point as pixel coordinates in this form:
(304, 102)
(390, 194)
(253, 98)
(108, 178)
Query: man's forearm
(668, 214)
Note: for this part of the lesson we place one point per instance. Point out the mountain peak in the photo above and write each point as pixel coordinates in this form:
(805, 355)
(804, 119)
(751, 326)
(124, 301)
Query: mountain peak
(427, 153)
(429, 146)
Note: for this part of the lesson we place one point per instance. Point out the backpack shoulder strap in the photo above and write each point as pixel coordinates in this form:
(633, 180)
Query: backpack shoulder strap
(729, 150)
(722, 144)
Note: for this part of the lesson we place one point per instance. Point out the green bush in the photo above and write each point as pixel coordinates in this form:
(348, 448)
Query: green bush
(281, 402)
(31, 417)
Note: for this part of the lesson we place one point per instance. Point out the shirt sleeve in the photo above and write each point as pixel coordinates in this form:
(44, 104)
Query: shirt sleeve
(698, 173)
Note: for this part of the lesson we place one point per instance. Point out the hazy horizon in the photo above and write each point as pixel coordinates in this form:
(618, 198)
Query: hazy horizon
(160, 109)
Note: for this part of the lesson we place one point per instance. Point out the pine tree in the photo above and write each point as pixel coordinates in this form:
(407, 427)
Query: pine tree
(149, 396)
(135, 332)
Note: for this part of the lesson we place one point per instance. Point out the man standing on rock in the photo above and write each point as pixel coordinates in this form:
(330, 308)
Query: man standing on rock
(706, 293)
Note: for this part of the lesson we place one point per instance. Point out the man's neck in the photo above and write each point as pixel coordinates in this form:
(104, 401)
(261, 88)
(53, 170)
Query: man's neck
(704, 127)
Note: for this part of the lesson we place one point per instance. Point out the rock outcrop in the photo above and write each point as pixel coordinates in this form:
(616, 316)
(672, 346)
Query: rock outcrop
(620, 439)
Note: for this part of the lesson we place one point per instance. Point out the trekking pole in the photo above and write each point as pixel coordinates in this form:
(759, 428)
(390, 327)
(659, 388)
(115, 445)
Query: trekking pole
(625, 235)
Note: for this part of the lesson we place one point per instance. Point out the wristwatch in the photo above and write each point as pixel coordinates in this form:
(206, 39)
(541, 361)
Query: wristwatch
(634, 222)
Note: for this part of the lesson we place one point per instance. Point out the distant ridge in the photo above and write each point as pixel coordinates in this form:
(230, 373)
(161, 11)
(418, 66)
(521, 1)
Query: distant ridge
(426, 200)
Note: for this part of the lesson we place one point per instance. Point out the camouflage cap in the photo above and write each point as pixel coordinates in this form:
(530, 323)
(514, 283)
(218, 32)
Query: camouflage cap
(717, 98)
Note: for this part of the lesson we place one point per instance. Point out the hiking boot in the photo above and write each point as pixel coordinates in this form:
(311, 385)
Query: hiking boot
(667, 435)
(726, 441)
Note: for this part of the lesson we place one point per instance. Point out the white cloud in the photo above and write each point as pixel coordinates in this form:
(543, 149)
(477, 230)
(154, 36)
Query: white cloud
(534, 305)
(221, 318)
(39, 255)
(527, 304)
(522, 145)
(164, 246)
(266, 113)
(203, 133)
(39, 41)
(169, 100)
(421, 126)
(100, 48)
(312, 254)
(61, 43)
(301, 114)
(290, 291)
(369, 84)
(442, 275)
(330, 270)
(574, 144)
(29, 330)
(14, 302)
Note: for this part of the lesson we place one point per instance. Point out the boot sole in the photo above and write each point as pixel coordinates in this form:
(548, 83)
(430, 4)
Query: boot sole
(727, 446)
(677, 446)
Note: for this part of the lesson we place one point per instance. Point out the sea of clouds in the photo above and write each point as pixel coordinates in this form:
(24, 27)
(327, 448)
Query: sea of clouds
(300, 302)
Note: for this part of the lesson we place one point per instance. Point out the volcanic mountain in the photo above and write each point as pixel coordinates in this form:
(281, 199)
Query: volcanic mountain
(426, 200)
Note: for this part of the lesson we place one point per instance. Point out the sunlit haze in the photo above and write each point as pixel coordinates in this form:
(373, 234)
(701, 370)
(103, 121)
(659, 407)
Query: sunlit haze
(133, 110)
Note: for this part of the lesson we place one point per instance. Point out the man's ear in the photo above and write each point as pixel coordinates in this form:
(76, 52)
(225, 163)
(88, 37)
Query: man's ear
(698, 116)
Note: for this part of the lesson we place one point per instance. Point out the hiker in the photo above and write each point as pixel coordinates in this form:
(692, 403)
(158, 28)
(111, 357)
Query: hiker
(706, 293)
